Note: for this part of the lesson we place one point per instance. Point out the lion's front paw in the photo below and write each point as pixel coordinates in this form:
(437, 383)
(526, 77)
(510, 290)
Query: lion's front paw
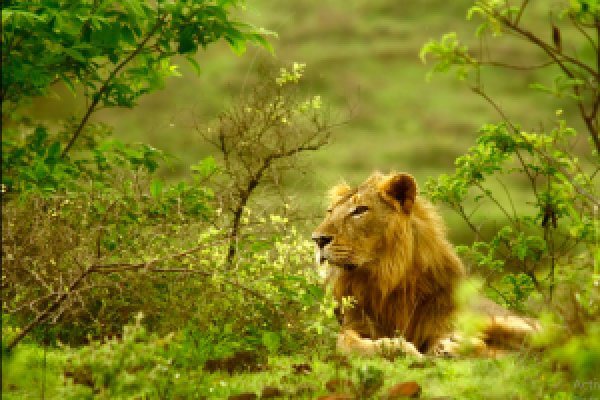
(394, 346)
(447, 347)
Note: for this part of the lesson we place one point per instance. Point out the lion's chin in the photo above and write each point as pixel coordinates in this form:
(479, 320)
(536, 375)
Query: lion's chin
(347, 267)
(323, 258)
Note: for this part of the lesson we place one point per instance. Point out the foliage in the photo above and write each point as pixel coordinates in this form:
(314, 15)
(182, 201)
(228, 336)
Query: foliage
(112, 239)
(140, 364)
(95, 236)
(549, 247)
(260, 139)
(114, 52)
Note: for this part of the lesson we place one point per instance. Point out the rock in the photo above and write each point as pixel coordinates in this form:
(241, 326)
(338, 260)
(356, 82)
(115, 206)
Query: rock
(241, 361)
(337, 396)
(335, 385)
(403, 390)
(270, 392)
(421, 364)
(302, 368)
(243, 396)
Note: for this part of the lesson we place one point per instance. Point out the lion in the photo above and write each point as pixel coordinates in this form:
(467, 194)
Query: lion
(388, 253)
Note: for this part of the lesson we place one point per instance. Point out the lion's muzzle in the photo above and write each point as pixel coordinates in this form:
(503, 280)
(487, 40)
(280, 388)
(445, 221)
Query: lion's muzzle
(321, 241)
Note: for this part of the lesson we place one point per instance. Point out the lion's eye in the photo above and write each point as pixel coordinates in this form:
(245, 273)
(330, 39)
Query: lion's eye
(359, 210)
(329, 210)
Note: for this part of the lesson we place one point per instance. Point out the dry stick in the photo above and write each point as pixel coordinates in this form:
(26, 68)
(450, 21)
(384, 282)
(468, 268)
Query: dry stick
(98, 95)
(512, 204)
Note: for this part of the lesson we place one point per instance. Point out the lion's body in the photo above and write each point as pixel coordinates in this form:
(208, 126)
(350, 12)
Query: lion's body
(392, 258)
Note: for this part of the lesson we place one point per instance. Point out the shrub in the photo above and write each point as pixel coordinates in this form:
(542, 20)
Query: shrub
(549, 245)
(111, 239)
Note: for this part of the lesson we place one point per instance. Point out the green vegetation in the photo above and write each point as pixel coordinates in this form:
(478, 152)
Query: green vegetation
(179, 267)
(142, 365)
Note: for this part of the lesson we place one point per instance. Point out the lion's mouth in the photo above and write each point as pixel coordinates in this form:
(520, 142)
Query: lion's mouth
(349, 267)
(322, 256)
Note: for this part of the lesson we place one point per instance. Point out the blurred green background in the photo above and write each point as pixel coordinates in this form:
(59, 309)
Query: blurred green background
(362, 58)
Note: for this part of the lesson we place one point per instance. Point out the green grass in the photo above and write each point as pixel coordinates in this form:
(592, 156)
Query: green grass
(514, 376)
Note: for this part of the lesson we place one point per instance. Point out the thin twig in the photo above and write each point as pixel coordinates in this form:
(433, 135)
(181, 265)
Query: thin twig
(518, 67)
(492, 198)
(521, 11)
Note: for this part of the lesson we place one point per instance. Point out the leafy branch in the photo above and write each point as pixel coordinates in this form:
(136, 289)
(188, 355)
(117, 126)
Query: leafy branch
(96, 97)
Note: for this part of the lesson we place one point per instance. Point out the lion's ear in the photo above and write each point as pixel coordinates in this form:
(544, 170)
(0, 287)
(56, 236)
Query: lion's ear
(338, 191)
(400, 190)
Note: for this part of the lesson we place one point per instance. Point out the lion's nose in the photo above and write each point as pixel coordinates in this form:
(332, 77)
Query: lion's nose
(322, 240)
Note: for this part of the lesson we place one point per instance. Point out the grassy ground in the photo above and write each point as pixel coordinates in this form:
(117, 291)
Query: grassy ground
(35, 374)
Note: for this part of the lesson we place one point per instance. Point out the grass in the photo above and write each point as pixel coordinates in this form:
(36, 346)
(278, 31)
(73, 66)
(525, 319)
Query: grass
(517, 376)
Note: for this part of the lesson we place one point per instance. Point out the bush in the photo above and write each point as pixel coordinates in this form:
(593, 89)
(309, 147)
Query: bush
(104, 239)
(548, 246)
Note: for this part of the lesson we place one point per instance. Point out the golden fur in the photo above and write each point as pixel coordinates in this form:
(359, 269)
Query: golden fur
(390, 255)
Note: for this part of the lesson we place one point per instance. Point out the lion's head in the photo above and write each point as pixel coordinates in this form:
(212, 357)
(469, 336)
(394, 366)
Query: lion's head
(385, 233)
(362, 223)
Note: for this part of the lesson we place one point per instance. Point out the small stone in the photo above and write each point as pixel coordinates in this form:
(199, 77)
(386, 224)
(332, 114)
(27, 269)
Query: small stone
(421, 364)
(302, 368)
(334, 385)
(404, 389)
(337, 396)
(243, 396)
(270, 392)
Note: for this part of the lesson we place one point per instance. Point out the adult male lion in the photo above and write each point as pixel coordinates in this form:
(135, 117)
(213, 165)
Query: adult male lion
(391, 256)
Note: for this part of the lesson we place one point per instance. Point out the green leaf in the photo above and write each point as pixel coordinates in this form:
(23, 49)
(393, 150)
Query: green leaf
(53, 151)
(186, 40)
(237, 44)
(193, 63)
(75, 54)
(156, 188)
(272, 341)
(205, 167)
